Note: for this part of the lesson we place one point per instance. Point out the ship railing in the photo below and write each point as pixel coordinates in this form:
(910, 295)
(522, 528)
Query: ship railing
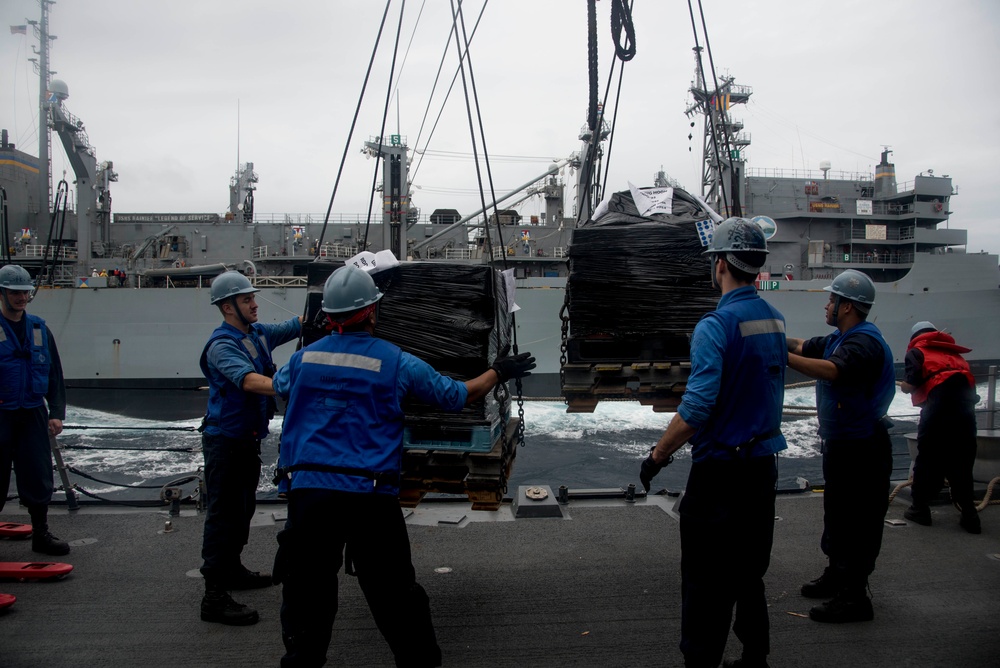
(338, 250)
(259, 252)
(335, 218)
(881, 258)
(897, 234)
(886, 209)
(461, 253)
(279, 282)
(807, 174)
(38, 251)
(559, 251)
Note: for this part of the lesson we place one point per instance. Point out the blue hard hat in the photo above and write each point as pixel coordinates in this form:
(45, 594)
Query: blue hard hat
(230, 284)
(349, 289)
(15, 277)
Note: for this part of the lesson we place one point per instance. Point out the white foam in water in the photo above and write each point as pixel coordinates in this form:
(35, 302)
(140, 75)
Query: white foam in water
(614, 429)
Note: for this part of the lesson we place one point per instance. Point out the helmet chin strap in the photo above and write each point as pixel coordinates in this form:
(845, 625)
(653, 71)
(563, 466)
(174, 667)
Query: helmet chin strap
(239, 312)
(711, 270)
(836, 310)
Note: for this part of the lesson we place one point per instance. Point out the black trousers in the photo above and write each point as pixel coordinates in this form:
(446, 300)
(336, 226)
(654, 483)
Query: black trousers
(232, 474)
(24, 445)
(946, 443)
(727, 528)
(855, 501)
(321, 524)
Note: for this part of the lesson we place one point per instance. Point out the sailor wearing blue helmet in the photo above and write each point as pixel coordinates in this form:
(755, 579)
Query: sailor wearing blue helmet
(32, 405)
(731, 415)
(856, 384)
(341, 449)
(237, 363)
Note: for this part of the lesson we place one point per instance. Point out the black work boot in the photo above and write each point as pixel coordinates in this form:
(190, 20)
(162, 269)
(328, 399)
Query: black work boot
(825, 586)
(247, 579)
(918, 513)
(42, 540)
(45, 543)
(218, 606)
(970, 520)
(851, 604)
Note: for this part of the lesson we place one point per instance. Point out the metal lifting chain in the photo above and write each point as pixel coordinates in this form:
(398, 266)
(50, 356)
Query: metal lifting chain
(501, 393)
(563, 345)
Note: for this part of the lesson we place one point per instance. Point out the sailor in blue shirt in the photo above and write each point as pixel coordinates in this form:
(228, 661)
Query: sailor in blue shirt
(731, 415)
(856, 384)
(341, 449)
(237, 363)
(32, 405)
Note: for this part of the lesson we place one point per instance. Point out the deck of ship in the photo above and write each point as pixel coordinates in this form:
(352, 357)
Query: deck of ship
(598, 587)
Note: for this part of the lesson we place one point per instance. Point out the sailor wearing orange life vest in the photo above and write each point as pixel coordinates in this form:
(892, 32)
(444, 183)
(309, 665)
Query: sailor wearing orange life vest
(939, 381)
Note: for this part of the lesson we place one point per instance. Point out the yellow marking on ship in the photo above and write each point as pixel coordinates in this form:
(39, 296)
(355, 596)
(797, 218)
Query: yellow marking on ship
(22, 165)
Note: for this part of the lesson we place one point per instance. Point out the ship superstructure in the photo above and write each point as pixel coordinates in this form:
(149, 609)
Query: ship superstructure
(144, 325)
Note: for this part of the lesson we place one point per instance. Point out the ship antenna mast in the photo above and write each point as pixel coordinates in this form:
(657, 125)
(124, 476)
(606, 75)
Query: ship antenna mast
(41, 30)
(721, 152)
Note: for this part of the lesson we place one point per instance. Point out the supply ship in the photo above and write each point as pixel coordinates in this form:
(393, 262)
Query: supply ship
(145, 322)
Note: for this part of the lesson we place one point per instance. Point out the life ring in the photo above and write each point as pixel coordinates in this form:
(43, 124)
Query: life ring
(939, 207)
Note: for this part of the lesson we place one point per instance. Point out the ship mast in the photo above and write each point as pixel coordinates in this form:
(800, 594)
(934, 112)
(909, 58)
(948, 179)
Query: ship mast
(41, 29)
(723, 142)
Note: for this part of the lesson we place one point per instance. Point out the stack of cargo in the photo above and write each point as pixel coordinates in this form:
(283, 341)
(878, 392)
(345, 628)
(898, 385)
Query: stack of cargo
(638, 284)
(455, 318)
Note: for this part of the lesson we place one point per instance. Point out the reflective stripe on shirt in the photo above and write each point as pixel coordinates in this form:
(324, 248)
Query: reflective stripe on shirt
(342, 359)
(769, 326)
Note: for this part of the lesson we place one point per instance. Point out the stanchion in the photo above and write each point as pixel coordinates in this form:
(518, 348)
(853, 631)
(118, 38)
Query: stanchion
(71, 502)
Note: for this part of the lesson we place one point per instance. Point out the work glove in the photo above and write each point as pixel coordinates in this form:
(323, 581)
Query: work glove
(650, 468)
(514, 366)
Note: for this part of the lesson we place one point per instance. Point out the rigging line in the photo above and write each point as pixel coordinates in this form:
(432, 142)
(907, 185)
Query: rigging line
(584, 198)
(354, 122)
(433, 153)
(406, 54)
(381, 132)
(486, 155)
(724, 113)
(621, 17)
(447, 94)
(770, 112)
(455, 13)
(430, 98)
(614, 124)
(624, 55)
(707, 106)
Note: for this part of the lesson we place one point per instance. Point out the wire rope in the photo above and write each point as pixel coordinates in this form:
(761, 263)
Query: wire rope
(354, 122)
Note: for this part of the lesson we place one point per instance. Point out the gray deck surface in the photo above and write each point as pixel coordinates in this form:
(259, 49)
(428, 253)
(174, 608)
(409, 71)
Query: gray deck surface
(600, 587)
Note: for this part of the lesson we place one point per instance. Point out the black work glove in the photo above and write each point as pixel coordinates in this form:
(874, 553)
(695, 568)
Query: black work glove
(650, 468)
(515, 366)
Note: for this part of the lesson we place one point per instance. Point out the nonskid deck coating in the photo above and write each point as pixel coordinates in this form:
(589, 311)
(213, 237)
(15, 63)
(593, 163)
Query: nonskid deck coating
(597, 588)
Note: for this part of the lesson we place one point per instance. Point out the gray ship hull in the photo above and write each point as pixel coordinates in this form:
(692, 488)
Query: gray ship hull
(153, 337)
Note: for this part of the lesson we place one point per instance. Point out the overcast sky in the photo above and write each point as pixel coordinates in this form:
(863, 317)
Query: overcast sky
(175, 93)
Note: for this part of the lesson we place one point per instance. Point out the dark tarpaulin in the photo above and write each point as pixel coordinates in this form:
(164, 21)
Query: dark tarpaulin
(452, 316)
(639, 279)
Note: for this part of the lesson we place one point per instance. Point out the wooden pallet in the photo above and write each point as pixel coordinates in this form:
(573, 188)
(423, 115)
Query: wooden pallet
(476, 475)
(657, 384)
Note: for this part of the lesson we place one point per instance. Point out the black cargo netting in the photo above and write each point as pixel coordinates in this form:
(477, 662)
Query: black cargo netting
(633, 275)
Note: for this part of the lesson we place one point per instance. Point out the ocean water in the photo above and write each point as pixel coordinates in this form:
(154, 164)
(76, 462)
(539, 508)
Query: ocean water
(117, 456)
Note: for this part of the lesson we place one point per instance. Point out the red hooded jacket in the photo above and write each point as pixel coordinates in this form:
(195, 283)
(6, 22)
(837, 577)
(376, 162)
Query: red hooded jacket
(942, 359)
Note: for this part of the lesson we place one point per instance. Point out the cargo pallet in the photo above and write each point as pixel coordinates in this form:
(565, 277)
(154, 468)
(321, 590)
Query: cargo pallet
(657, 384)
(478, 475)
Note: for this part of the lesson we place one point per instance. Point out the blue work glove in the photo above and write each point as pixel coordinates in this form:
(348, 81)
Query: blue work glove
(650, 468)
